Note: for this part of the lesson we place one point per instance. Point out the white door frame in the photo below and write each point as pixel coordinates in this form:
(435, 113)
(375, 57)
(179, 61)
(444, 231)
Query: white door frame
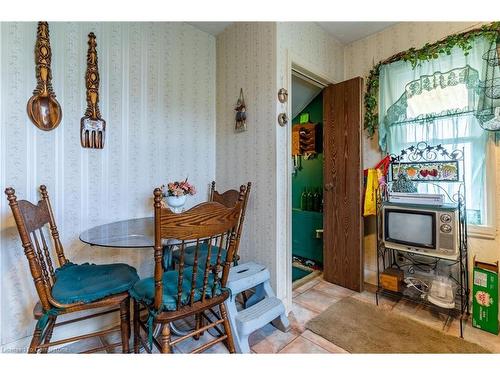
(296, 63)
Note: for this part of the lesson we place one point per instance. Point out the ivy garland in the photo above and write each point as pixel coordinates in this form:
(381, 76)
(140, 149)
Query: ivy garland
(416, 57)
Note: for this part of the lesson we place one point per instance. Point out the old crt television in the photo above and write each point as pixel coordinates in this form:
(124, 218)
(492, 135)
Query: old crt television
(426, 230)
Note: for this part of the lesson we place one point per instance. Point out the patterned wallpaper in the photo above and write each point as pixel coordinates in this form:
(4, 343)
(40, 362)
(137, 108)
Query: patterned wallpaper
(168, 93)
(158, 99)
(360, 56)
(254, 56)
(246, 58)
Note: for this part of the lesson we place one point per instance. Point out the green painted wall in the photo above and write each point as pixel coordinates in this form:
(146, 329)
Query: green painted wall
(311, 174)
(304, 223)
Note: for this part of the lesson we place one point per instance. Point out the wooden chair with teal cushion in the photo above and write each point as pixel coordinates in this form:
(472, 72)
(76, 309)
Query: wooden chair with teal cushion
(189, 290)
(70, 287)
(229, 198)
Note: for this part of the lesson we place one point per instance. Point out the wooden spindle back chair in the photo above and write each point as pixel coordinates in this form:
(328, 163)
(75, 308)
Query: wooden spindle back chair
(229, 198)
(38, 232)
(189, 290)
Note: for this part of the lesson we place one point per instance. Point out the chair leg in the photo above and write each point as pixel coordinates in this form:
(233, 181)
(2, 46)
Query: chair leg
(35, 341)
(245, 297)
(48, 335)
(136, 326)
(125, 324)
(227, 328)
(198, 324)
(165, 339)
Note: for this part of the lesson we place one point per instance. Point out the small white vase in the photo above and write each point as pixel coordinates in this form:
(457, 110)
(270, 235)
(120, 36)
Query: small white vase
(176, 203)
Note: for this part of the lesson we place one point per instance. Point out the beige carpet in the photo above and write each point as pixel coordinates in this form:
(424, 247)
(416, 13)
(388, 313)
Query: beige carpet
(360, 327)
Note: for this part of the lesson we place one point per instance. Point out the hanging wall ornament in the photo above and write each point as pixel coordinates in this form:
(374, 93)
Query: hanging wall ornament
(283, 99)
(92, 126)
(241, 115)
(43, 108)
(283, 119)
(283, 95)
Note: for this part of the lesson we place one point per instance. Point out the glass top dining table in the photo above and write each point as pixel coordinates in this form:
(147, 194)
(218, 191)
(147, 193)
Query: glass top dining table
(131, 233)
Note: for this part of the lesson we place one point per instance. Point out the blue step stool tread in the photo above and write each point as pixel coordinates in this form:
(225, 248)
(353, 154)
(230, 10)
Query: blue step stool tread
(245, 276)
(258, 315)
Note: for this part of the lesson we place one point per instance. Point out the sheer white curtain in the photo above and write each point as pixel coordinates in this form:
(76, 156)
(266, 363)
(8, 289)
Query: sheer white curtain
(455, 132)
(435, 103)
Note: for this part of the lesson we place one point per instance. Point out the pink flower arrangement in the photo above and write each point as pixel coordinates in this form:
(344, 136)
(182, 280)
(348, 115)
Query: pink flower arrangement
(178, 189)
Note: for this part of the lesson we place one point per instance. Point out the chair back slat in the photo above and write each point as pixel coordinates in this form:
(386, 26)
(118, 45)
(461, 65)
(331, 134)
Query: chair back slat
(180, 278)
(195, 272)
(48, 259)
(228, 198)
(208, 223)
(34, 216)
(202, 221)
(61, 258)
(244, 194)
(41, 260)
(206, 270)
(216, 267)
(30, 219)
(231, 254)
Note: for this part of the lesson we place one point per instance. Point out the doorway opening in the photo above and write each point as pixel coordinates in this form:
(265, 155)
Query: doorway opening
(306, 178)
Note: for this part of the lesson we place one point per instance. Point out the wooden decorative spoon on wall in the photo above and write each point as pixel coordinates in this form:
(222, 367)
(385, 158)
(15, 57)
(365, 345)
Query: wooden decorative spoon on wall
(92, 126)
(43, 108)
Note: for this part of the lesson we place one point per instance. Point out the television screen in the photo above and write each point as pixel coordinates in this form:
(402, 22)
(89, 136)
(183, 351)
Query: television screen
(410, 227)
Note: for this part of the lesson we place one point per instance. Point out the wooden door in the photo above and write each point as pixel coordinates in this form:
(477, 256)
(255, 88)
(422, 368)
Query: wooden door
(343, 189)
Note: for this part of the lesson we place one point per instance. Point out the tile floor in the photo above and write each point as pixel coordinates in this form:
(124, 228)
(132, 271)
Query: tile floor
(309, 300)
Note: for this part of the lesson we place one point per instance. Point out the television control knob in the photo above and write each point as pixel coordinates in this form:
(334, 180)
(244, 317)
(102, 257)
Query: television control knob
(445, 218)
(445, 228)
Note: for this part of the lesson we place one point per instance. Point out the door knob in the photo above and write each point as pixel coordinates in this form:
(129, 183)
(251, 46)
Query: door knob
(328, 186)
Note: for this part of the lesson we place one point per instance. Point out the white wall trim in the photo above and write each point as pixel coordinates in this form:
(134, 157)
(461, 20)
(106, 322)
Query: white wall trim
(295, 62)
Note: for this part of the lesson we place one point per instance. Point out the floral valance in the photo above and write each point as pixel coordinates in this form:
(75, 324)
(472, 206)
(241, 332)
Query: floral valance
(465, 75)
(450, 104)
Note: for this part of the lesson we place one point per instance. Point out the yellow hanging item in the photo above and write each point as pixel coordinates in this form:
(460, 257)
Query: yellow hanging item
(371, 193)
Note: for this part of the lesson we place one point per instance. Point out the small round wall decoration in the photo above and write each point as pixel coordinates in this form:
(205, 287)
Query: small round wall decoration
(282, 119)
(283, 95)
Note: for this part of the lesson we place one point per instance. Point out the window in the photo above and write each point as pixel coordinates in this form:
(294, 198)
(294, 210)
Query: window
(438, 109)
(437, 102)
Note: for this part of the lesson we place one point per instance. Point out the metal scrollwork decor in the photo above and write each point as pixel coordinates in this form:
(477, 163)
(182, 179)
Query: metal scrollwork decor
(423, 152)
(92, 126)
(422, 163)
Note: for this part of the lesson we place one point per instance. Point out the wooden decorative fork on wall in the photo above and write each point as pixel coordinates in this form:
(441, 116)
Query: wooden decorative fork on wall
(92, 126)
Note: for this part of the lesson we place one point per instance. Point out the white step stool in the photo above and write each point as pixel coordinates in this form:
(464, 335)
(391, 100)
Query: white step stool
(261, 308)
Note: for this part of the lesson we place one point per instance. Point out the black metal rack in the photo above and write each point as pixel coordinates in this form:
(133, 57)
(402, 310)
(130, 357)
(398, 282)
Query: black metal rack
(419, 155)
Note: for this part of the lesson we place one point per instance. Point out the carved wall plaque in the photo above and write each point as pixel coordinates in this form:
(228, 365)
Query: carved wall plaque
(92, 126)
(43, 108)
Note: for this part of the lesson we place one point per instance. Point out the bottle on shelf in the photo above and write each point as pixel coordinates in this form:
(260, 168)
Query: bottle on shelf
(309, 199)
(320, 200)
(303, 200)
(315, 205)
